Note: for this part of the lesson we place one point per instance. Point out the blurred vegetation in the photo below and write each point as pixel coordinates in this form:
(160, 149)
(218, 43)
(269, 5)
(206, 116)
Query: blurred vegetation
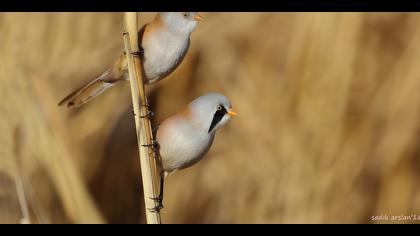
(328, 127)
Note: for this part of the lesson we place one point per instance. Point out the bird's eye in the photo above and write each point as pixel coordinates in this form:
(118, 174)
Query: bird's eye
(219, 108)
(186, 14)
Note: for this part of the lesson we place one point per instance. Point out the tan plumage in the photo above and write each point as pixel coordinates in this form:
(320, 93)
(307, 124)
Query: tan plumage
(165, 42)
(85, 93)
(186, 137)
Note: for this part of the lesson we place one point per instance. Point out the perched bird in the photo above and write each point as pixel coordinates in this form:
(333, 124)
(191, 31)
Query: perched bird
(164, 43)
(184, 138)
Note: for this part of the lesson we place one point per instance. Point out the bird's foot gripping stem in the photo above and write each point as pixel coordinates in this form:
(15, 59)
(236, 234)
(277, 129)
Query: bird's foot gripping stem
(159, 206)
(149, 113)
(156, 208)
(153, 145)
(140, 52)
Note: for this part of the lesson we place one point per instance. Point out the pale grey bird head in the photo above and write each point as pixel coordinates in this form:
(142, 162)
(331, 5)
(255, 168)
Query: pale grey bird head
(187, 136)
(182, 22)
(211, 111)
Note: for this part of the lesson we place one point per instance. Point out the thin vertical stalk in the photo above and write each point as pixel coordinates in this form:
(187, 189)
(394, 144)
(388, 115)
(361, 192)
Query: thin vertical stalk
(143, 127)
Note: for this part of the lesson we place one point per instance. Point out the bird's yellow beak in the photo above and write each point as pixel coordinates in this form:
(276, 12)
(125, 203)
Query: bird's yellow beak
(198, 18)
(232, 113)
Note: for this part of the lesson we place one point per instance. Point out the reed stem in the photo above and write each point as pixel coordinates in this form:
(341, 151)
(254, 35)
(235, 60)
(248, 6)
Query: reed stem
(148, 163)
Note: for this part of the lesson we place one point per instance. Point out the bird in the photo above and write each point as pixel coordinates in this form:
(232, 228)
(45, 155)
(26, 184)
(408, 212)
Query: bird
(164, 42)
(185, 138)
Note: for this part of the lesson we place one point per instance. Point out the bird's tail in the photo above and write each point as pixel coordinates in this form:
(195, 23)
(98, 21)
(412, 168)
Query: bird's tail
(106, 80)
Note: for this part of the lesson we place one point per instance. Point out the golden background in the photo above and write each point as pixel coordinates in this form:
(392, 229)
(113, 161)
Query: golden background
(327, 130)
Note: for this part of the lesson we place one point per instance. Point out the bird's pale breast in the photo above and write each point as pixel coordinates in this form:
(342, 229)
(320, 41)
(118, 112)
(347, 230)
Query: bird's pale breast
(163, 52)
(181, 145)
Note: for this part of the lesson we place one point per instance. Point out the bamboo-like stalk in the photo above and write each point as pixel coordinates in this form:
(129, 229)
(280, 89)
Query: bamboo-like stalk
(143, 127)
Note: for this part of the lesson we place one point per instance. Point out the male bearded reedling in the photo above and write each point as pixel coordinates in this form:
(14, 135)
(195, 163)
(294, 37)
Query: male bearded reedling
(184, 138)
(164, 43)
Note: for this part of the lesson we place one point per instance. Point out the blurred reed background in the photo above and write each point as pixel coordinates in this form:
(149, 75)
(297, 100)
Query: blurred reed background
(327, 131)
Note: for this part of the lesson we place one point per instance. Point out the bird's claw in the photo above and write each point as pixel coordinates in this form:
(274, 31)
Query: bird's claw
(159, 200)
(152, 145)
(156, 208)
(149, 115)
(140, 52)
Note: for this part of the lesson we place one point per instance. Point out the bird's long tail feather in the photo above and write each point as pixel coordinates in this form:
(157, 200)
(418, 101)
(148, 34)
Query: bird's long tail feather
(94, 88)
